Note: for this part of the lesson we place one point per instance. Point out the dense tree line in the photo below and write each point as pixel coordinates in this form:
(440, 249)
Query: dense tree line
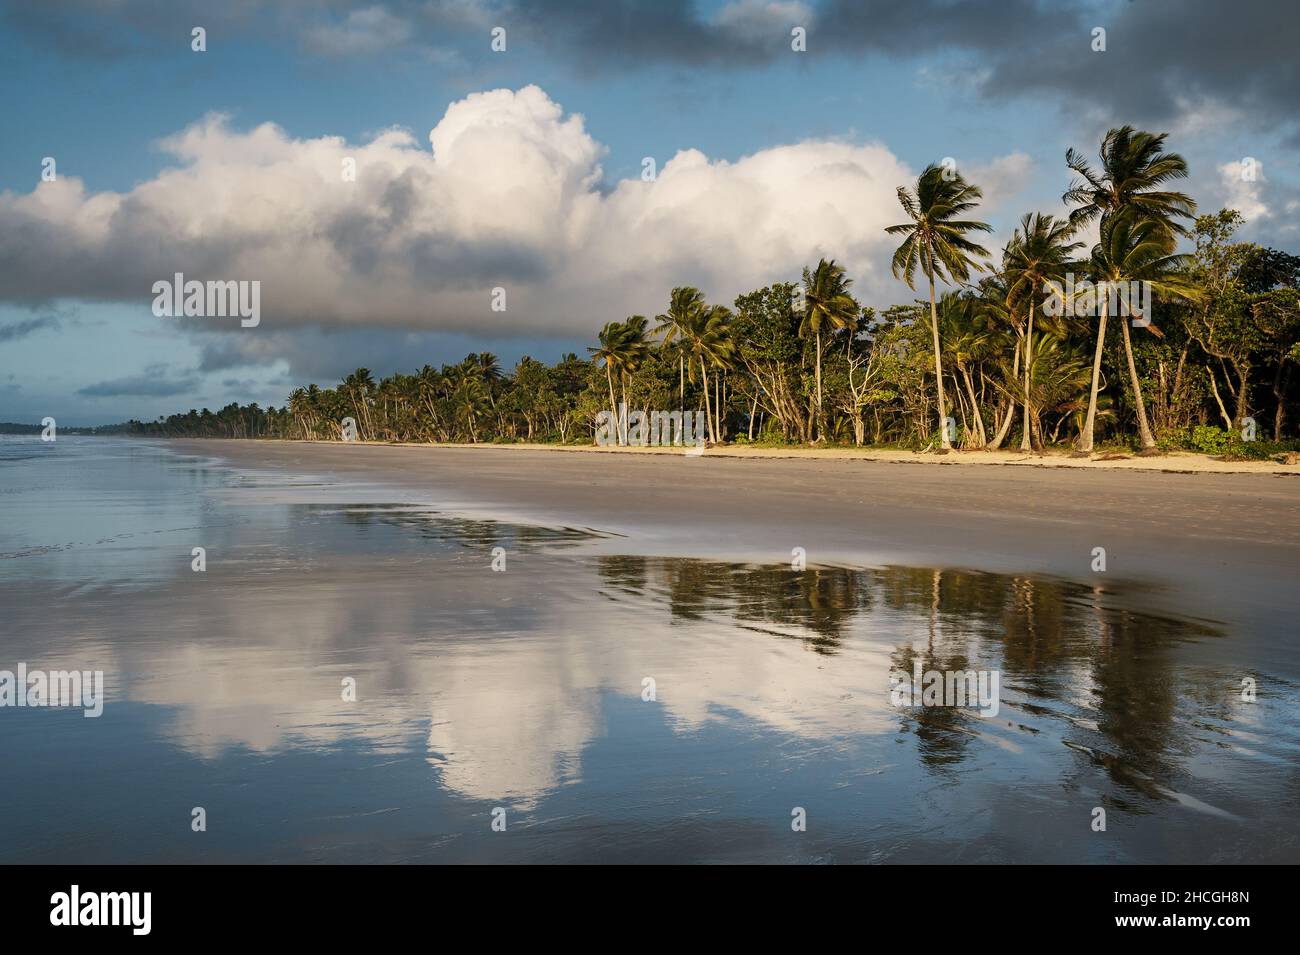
(1007, 351)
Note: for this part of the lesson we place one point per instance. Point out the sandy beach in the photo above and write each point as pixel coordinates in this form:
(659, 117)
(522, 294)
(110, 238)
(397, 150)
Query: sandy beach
(1224, 547)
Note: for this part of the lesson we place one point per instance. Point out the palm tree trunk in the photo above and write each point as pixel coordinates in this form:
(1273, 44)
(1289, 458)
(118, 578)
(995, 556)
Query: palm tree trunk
(1144, 428)
(681, 372)
(1026, 443)
(613, 405)
(623, 421)
(1004, 428)
(980, 434)
(708, 411)
(717, 403)
(821, 429)
(1089, 424)
(938, 367)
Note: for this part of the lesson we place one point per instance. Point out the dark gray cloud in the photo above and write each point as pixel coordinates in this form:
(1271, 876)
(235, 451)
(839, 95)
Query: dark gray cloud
(151, 383)
(1160, 54)
(1164, 57)
(12, 331)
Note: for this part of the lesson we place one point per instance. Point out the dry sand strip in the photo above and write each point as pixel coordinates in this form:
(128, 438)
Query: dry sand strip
(1178, 462)
(1224, 547)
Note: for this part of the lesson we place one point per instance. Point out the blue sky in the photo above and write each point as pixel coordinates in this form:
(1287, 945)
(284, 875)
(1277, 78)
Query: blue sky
(1003, 88)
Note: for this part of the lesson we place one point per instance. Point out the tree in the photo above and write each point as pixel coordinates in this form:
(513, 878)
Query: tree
(1132, 249)
(1039, 252)
(684, 307)
(827, 305)
(935, 243)
(622, 347)
(1223, 322)
(1134, 167)
(708, 342)
(360, 387)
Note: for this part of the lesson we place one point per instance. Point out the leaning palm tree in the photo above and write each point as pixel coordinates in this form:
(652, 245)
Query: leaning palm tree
(827, 306)
(623, 347)
(1132, 249)
(360, 387)
(970, 334)
(635, 350)
(468, 397)
(936, 244)
(1134, 167)
(428, 384)
(684, 305)
(707, 339)
(1039, 252)
(610, 353)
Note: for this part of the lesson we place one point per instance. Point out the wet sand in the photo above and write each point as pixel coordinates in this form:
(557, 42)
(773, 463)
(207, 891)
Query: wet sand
(1225, 548)
(349, 678)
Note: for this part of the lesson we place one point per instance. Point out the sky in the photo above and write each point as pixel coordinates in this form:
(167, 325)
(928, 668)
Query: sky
(388, 177)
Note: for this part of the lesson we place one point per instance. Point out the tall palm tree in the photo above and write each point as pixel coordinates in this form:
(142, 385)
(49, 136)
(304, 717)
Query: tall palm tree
(708, 341)
(609, 352)
(1132, 249)
(936, 244)
(827, 306)
(1039, 252)
(1133, 167)
(635, 350)
(684, 306)
(623, 347)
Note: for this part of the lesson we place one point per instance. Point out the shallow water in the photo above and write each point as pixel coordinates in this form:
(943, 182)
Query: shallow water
(523, 691)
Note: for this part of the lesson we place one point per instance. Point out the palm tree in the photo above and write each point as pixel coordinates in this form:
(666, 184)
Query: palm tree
(1039, 252)
(428, 384)
(623, 346)
(970, 334)
(298, 408)
(827, 304)
(707, 339)
(636, 349)
(1132, 249)
(1133, 167)
(684, 305)
(359, 387)
(609, 352)
(936, 243)
(468, 397)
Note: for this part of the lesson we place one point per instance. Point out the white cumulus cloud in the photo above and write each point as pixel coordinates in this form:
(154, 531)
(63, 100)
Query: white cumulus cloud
(509, 193)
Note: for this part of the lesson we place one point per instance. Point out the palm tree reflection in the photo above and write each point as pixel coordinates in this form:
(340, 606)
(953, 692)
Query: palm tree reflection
(1100, 677)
